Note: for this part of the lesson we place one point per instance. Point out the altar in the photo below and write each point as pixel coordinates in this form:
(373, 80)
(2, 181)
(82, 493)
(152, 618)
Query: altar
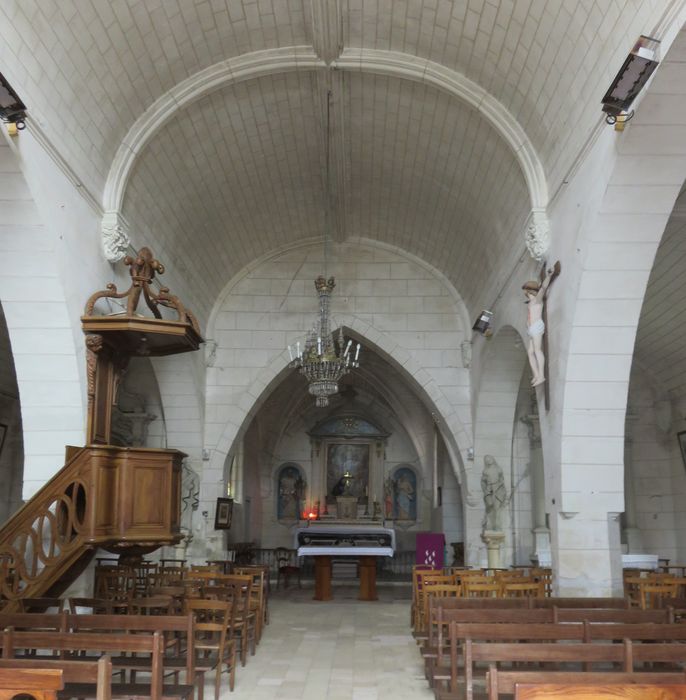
(329, 541)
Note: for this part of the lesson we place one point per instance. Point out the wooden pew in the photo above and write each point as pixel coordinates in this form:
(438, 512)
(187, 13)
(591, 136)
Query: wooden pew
(585, 632)
(607, 691)
(627, 653)
(97, 673)
(39, 684)
(441, 616)
(100, 643)
(505, 682)
(575, 652)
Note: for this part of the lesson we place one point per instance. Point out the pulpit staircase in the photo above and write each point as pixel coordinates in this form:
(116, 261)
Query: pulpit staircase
(124, 499)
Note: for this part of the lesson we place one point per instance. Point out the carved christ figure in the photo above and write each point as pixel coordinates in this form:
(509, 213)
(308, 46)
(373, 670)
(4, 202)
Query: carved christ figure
(535, 293)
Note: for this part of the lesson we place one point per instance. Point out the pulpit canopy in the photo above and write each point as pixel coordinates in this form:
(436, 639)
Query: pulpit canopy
(133, 334)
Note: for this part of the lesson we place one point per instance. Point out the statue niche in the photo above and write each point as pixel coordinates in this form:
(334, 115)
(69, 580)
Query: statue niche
(290, 492)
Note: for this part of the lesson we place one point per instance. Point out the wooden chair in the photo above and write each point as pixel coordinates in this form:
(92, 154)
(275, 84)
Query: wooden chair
(651, 593)
(258, 601)
(200, 568)
(417, 571)
(153, 605)
(214, 647)
(544, 576)
(286, 566)
(426, 579)
(481, 590)
(515, 589)
(114, 583)
(170, 575)
(244, 621)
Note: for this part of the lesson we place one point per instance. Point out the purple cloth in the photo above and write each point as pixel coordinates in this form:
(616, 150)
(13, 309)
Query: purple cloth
(430, 547)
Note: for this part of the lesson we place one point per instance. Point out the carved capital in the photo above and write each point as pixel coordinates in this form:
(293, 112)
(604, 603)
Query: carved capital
(115, 236)
(538, 234)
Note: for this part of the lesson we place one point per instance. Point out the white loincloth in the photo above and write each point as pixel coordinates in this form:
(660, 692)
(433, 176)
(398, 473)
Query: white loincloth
(536, 328)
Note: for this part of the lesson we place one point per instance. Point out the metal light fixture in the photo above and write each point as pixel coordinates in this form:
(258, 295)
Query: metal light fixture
(12, 109)
(325, 357)
(633, 75)
(483, 323)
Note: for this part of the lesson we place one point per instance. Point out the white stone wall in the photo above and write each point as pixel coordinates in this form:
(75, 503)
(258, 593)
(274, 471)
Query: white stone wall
(405, 311)
(34, 301)
(650, 452)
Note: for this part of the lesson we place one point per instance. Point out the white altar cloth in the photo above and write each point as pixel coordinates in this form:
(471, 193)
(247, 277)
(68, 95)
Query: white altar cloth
(639, 561)
(345, 551)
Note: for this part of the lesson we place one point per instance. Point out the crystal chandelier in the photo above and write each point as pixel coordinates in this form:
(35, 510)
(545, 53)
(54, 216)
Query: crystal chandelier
(325, 359)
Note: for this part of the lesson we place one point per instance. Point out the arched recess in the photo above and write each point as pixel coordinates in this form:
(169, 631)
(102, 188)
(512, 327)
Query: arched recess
(303, 58)
(252, 326)
(503, 364)
(619, 242)
(40, 330)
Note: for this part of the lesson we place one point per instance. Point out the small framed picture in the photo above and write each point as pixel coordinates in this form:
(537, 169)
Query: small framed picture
(223, 514)
(682, 444)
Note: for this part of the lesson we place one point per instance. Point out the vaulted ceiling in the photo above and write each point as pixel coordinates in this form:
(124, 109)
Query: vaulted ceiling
(241, 170)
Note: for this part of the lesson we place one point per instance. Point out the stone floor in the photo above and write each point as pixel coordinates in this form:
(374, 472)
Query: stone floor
(343, 649)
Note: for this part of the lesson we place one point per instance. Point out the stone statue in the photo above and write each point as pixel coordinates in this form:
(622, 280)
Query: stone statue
(535, 293)
(495, 494)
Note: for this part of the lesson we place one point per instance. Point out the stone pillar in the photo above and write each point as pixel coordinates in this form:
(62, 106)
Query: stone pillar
(587, 554)
(541, 554)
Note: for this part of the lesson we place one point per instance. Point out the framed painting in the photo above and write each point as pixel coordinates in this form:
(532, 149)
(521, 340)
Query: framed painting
(223, 514)
(346, 458)
(682, 444)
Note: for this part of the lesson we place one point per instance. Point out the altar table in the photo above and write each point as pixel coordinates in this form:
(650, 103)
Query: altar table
(326, 542)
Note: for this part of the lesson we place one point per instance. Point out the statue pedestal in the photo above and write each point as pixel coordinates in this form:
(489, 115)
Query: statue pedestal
(493, 541)
(346, 507)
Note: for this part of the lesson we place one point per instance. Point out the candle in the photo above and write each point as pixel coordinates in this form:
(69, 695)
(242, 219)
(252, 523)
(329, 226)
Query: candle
(357, 352)
(290, 353)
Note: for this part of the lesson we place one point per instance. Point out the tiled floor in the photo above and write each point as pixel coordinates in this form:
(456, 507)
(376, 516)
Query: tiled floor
(342, 649)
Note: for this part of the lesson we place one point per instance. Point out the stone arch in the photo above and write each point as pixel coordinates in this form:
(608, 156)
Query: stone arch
(425, 347)
(586, 462)
(40, 329)
(299, 58)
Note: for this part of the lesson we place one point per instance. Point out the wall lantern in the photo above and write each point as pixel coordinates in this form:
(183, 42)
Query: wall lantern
(12, 109)
(633, 75)
(483, 323)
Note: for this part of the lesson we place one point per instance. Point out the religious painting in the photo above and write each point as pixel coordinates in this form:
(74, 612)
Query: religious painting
(682, 444)
(404, 494)
(347, 471)
(290, 492)
(223, 514)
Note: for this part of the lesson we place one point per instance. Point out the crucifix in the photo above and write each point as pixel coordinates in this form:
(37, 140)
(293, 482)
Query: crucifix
(537, 319)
